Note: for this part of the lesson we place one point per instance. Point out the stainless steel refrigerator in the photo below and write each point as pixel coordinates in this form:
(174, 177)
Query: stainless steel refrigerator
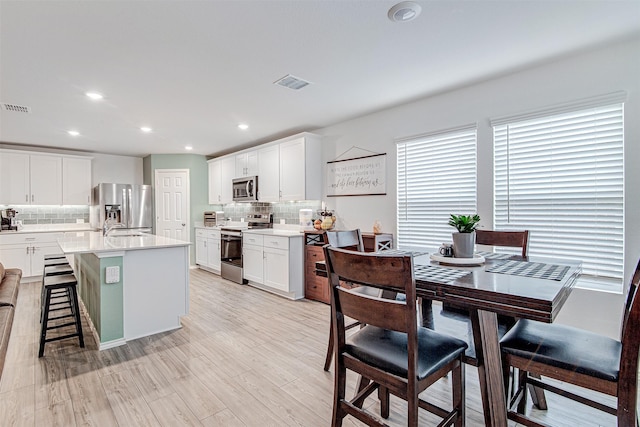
(127, 204)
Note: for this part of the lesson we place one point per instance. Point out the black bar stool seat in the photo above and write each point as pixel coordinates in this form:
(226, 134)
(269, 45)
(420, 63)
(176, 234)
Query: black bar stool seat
(54, 256)
(55, 261)
(67, 283)
(54, 270)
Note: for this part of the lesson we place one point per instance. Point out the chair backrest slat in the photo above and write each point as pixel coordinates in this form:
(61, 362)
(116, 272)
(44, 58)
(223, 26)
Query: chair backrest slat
(511, 239)
(367, 310)
(346, 239)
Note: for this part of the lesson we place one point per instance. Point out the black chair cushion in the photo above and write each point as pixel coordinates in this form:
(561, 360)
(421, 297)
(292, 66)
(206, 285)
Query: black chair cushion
(565, 347)
(387, 350)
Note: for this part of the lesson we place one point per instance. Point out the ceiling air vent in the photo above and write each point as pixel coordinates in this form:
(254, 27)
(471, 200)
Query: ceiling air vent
(291, 82)
(15, 108)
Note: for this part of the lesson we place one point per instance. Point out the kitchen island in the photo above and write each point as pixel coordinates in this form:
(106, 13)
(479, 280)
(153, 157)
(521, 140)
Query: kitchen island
(130, 286)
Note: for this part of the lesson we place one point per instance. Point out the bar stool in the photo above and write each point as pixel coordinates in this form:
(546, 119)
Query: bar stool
(66, 282)
(54, 270)
(54, 256)
(55, 261)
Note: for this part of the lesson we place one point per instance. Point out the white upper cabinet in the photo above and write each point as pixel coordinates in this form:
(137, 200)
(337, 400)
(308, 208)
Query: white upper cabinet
(246, 164)
(301, 169)
(215, 182)
(14, 178)
(44, 179)
(269, 174)
(221, 174)
(76, 181)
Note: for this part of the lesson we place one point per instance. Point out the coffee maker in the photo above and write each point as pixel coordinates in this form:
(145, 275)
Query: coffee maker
(8, 221)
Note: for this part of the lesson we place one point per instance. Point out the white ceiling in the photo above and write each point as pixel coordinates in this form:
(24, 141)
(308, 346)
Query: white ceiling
(193, 70)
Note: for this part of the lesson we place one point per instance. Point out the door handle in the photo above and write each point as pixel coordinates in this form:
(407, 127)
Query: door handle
(32, 197)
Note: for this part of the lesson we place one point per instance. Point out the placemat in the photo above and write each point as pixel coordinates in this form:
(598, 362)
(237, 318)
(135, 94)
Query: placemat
(494, 255)
(438, 274)
(403, 252)
(530, 269)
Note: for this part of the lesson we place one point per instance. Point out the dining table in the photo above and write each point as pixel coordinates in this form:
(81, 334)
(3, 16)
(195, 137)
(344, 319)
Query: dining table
(533, 288)
(493, 284)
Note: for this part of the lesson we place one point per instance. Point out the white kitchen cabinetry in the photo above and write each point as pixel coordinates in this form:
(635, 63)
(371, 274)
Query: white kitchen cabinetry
(301, 169)
(44, 179)
(26, 251)
(246, 164)
(252, 258)
(14, 178)
(76, 181)
(221, 174)
(208, 249)
(269, 174)
(215, 182)
(274, 263)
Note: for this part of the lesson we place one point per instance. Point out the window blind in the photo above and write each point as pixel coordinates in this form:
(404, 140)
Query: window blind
(562, 177)
(436, 177)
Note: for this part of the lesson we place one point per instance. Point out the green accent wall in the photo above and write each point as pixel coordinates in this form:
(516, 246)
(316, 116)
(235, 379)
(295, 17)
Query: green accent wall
(104, 302)
(198, 181)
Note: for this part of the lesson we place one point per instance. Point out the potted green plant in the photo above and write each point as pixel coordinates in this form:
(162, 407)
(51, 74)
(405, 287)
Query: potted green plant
(464, 241)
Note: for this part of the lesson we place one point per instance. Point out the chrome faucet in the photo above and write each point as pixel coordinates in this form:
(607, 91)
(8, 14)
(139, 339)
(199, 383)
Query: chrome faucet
(110, 225)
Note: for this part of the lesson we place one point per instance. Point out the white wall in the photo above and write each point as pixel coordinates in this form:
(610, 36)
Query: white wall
(116, 169)
(598, 72)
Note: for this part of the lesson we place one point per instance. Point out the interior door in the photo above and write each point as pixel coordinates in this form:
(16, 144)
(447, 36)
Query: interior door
(172, 203)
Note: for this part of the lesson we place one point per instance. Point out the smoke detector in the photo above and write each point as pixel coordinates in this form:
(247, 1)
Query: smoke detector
(404, 11)
(291, 82)
(15, 108)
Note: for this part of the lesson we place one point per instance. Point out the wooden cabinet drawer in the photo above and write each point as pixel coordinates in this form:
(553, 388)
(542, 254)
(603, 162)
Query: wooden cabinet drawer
(316, 288)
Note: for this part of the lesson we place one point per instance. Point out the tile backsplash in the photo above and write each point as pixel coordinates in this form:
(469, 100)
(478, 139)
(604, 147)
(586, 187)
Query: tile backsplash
(289, 211)
(34, 214)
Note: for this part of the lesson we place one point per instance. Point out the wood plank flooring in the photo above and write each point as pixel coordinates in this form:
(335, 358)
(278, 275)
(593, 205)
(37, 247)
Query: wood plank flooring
(243, 357)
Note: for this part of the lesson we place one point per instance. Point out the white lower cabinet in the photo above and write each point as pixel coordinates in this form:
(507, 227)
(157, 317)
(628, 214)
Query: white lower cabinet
(208, 249)
(274, 263)
(26, 251)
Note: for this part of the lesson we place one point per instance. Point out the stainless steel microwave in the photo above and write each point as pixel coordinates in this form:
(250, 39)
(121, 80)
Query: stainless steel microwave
(245, 189)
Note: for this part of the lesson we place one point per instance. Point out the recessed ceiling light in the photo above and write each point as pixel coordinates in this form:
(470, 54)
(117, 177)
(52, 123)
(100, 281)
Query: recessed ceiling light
(404, 11)
(243, 126)
(94, 95)
(145, 129)
(73, 132)
(188, 147)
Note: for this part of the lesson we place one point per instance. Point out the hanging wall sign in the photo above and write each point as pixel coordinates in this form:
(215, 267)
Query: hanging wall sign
(360, 176)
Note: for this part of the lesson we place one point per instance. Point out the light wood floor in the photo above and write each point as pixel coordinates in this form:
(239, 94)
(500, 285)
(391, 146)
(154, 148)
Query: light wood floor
(243, 357)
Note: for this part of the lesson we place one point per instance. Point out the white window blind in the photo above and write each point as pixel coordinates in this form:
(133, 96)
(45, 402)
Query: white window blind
(436, 177)
(561, 177)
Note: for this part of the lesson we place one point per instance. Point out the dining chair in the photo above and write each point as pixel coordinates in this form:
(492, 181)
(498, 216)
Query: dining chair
(513, 239)
(351, 240)
(455, 320)
(578, 357)
(396, 354)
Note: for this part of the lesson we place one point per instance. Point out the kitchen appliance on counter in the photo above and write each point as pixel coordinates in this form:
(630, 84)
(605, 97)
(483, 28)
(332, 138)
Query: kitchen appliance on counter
(211, 219)
(8, 221)
(245, 189)
(126, 204)
(231, 246)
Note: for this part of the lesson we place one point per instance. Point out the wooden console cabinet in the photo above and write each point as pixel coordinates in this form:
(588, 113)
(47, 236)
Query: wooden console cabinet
(316, 287)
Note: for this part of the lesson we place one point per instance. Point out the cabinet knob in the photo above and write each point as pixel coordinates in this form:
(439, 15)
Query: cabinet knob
(32, 197)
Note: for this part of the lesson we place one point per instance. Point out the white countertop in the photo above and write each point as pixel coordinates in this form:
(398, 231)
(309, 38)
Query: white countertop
(94, 242)
(51, 228)
(274, 232)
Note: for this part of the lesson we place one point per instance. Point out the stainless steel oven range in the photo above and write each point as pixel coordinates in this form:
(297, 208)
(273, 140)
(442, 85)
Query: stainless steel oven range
(231, 246)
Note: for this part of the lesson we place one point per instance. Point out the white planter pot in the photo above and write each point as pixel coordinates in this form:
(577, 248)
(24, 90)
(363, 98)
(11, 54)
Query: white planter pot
(464, 244)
